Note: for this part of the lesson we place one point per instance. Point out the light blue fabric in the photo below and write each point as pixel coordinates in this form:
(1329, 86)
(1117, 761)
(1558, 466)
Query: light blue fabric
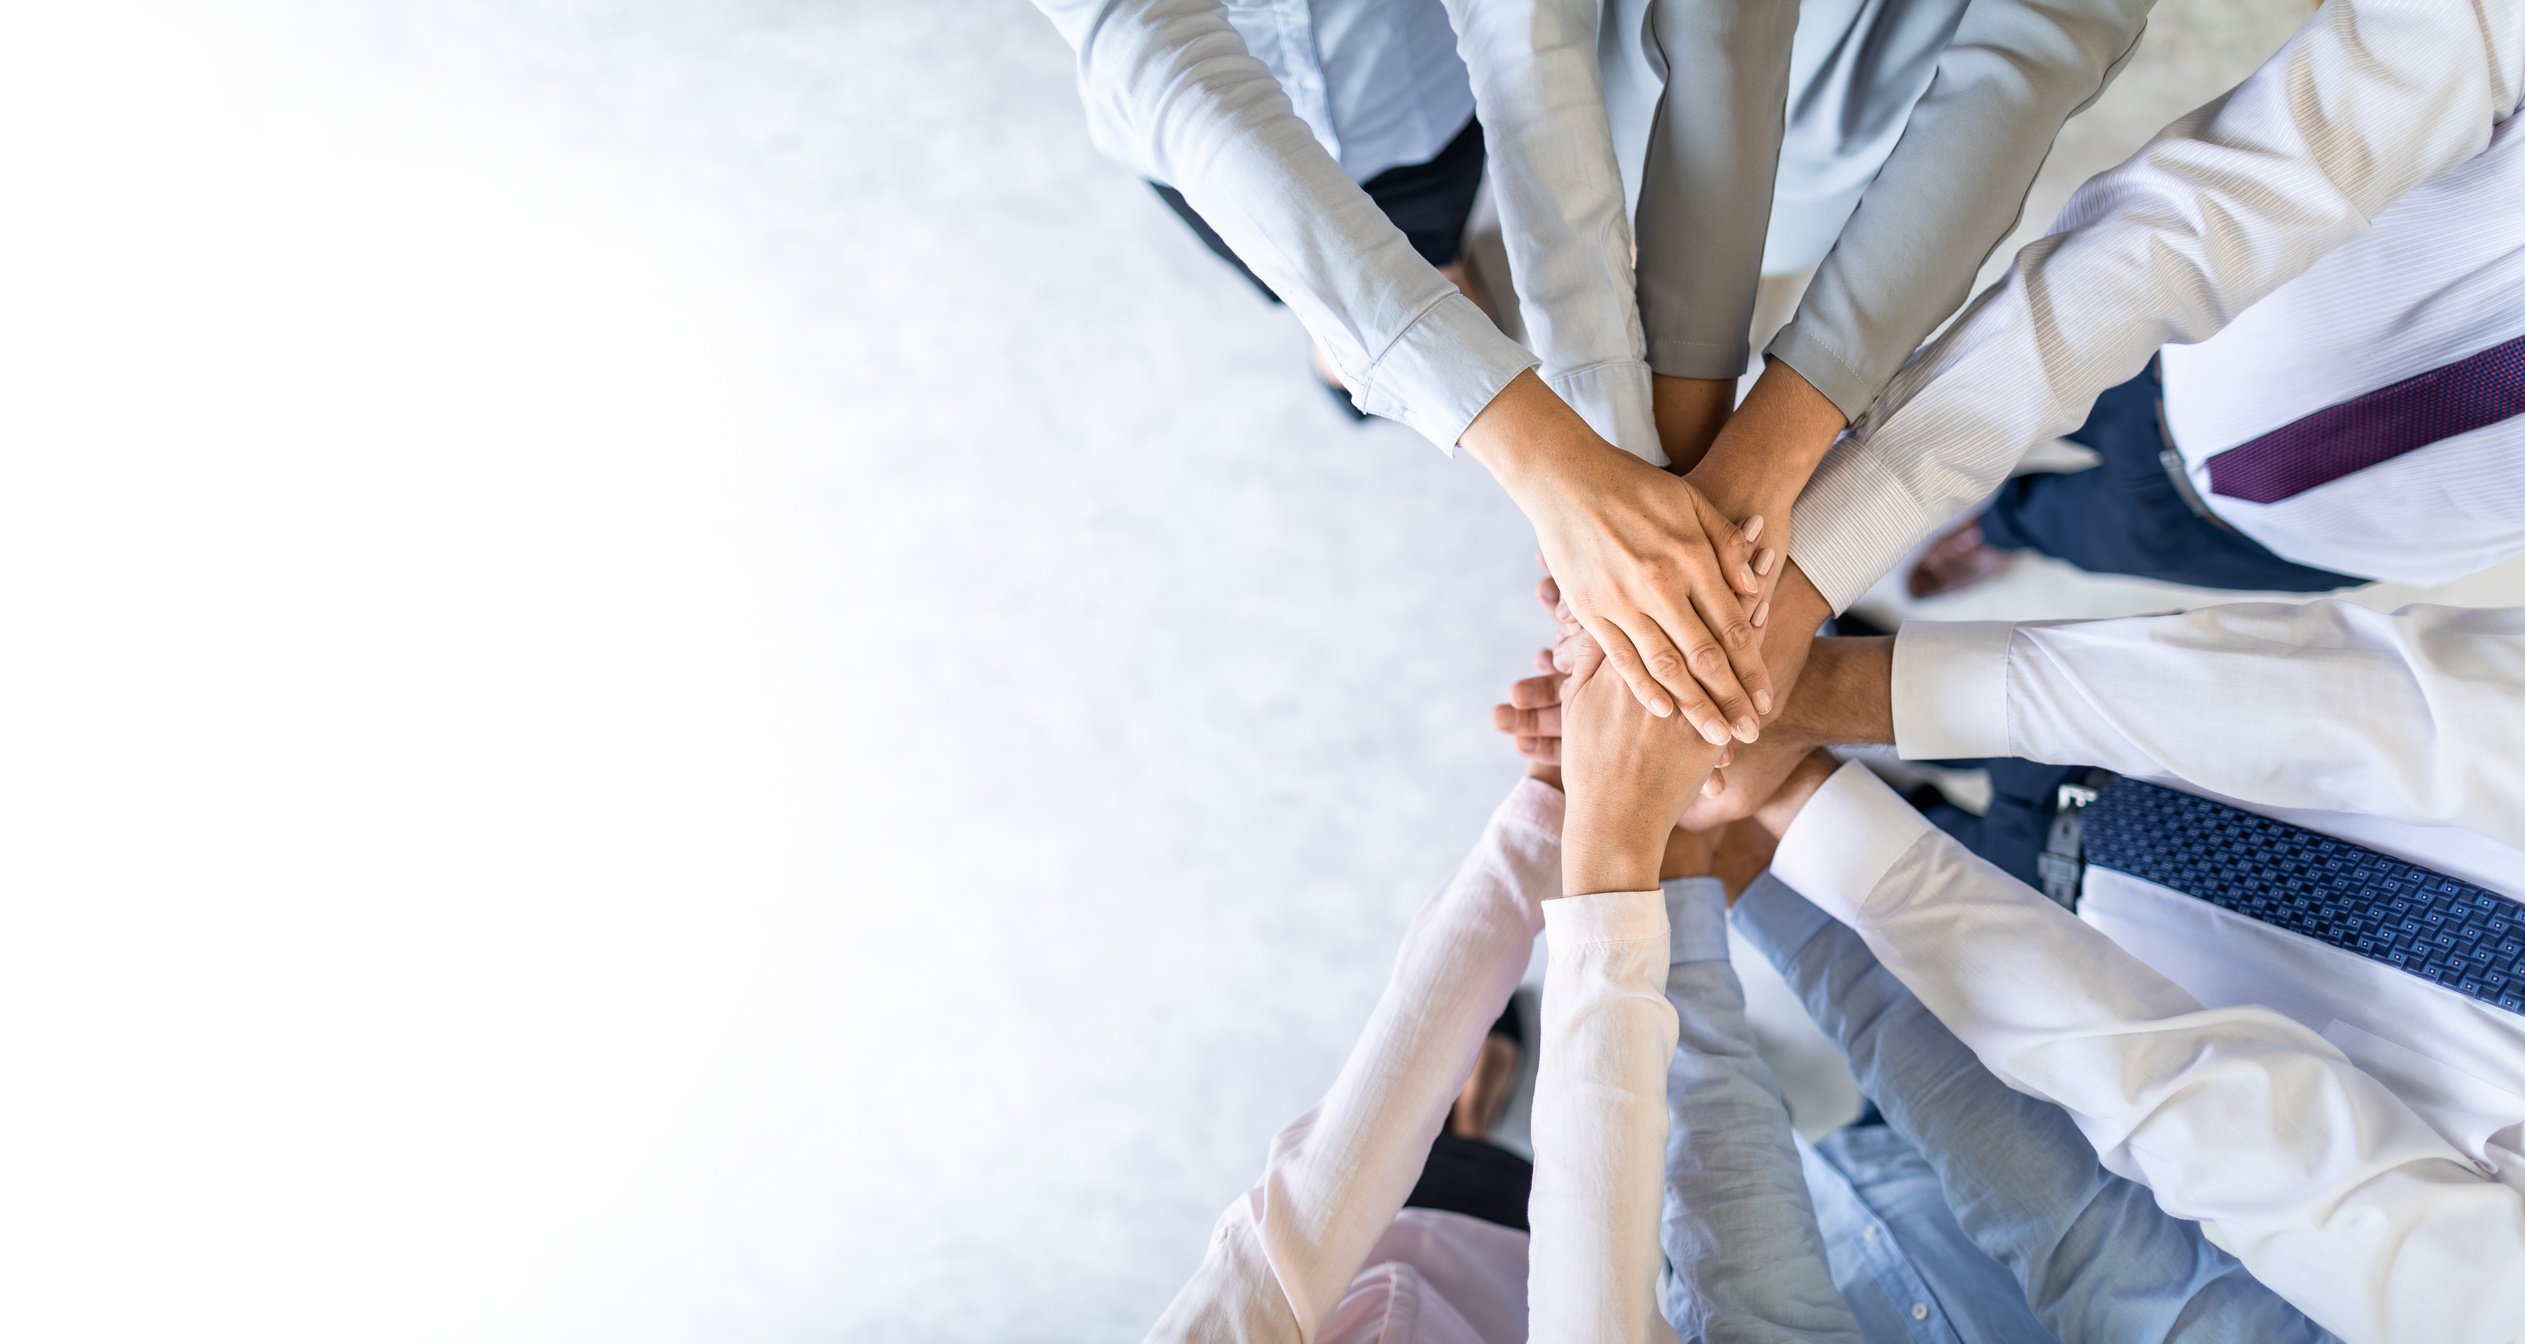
(1747, 1261)
(2089, 1253)
(1378, 81)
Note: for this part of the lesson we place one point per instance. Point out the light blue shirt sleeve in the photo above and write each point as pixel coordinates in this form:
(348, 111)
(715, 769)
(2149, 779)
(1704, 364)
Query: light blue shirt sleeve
(2096, 1256)
(1737, 1227)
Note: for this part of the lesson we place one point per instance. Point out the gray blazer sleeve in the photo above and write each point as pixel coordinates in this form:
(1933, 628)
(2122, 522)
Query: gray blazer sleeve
(1954, 187)
(1705, 186)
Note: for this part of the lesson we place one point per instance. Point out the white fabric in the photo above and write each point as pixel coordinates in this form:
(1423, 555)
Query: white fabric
(1600, 1121)
(1176, 94)
(2368, 100)
(1321, 1248)
(2330, 1189)
(2398, 732)
(2441, 276)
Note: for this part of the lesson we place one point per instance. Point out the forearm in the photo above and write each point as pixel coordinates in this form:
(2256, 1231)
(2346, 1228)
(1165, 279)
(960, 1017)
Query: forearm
(1338, 1174)
(1769, 448)
(2092, 1251)
(2366, 101)
(1599, 1123)
(1201, 114)
(1738, 1227)
(2409, 715)
(2012, 74)
(2365, 1221)
(1706, 187)
(1552, 174)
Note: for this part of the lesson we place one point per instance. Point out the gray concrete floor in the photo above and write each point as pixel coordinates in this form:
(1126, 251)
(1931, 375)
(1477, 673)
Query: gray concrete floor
(1126, 699)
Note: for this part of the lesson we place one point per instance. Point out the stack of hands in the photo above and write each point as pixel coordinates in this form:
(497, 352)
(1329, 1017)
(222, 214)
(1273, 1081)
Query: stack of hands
(1648, 799)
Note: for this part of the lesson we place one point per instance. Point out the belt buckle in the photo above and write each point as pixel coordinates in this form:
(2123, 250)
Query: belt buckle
(2063, 864)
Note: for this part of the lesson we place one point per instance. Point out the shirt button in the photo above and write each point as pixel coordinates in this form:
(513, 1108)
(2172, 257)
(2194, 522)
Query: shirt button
(1919, 1311)
(1869, 1234)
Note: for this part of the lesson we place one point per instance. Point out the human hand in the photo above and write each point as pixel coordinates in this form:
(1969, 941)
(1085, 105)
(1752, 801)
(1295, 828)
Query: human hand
(1532, 714)
(1777, 812)
(1628, 775)
(1760, 459)
(1648, 566)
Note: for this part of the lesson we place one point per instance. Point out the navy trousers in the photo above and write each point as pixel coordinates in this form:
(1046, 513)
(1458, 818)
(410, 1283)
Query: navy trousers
(2125, 515)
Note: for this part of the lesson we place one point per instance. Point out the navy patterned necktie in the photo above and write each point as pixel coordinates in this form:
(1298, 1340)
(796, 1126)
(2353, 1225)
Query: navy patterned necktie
(2444, 930)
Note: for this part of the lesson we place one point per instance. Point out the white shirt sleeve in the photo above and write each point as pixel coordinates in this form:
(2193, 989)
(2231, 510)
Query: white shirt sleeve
(2369, 99)
(2332, 1192)
(1281, 1257)
(2411, 716)
(1540, 93)
(1208, 119)
(1600, 1122)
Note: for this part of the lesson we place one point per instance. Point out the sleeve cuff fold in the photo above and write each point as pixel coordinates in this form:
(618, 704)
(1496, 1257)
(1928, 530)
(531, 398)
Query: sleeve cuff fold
(1819, 363)
(1951, 690)
(1613, 398)
(1606, 917)
(1442, 371)
(1844, 841)
(1854, 520)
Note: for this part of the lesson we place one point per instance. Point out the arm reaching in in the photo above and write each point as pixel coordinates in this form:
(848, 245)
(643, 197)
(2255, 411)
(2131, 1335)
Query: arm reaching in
(2331, 1190)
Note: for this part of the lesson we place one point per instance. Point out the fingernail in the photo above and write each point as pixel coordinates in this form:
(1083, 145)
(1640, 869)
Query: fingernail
(1660, 708)
(1753, 528)
(1761, 613)
(1745, 577)
(1762, 702)
(1747, 730)
(1711, 786)
(1713, 734)
(1764, 559)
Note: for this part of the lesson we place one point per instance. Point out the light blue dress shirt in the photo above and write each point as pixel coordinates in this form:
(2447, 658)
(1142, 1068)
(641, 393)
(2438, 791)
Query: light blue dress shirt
(2079, 1252)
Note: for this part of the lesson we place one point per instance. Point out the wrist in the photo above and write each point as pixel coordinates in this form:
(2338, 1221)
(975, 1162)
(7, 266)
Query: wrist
(1526, 436)
(1779, 812)
(1852, 699)
(1772, 444)
(1601, 854)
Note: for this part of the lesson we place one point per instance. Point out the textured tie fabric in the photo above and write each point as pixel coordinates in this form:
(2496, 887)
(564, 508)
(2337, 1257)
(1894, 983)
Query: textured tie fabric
(2375, 427)
(2441, 929)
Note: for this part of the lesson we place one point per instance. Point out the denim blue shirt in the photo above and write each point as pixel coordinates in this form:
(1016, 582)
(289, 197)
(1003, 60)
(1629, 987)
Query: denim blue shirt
(2079, 1252)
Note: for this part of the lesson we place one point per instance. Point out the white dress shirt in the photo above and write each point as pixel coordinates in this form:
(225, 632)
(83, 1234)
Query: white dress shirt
(2397, 732)
(2401, 733)
(1321, 1248)
(1174, 92)
(2441, 276)
(2370, 99)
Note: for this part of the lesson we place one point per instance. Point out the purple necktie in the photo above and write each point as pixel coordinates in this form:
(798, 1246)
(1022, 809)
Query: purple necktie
(2375, 427)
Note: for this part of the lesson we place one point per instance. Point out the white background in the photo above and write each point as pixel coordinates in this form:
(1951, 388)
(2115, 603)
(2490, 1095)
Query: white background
(671, 672)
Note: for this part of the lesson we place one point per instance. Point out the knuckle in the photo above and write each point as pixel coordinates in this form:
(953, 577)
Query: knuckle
(1666, 663)
(1738, 634)
(1709, 660)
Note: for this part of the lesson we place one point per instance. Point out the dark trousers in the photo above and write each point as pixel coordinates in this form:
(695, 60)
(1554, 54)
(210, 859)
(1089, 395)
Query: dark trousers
(2125, 515)
(2023, 797)
(1430, 202)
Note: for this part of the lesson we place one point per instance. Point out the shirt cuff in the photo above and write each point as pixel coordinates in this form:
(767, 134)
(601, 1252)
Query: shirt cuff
(1776, 920)
(1846, 386)
(1613, 398)
(1951, 690)
(1606, 917)
(1854, 520)
(1696, 919)
(1536, 804)
(1845, 840)
(1439, 374)
(1718, 361)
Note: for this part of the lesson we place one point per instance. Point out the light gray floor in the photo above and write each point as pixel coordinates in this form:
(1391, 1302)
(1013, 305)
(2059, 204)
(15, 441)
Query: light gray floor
(1009, 716)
